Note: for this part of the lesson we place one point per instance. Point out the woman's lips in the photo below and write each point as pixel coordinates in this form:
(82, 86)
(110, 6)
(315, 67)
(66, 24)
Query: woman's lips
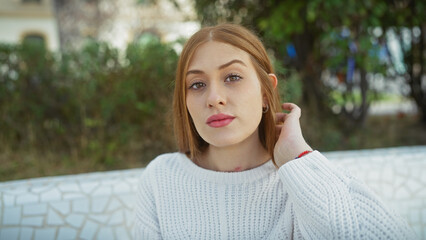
(219, 120)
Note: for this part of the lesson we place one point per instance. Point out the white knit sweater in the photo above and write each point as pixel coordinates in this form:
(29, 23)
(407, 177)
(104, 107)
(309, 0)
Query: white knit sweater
(307, 198)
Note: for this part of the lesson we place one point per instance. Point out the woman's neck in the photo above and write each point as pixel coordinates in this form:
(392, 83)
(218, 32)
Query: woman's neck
(239, 157)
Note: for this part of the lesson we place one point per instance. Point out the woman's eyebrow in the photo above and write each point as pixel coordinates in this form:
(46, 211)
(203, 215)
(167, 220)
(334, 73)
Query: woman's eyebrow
(194, 72)
(220, 67)
(232, 62)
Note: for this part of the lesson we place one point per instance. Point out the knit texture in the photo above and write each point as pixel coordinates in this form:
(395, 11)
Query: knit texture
(307, 198)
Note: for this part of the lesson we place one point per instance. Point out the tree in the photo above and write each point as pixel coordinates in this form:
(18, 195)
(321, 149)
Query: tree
(324, 37)
(81, 20)
(406, 19)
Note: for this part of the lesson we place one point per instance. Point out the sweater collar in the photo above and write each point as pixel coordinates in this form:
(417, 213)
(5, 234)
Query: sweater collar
(250, 175)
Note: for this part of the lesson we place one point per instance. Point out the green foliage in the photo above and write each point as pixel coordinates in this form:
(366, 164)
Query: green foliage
(325, 35)
(93, 101)
(289, 84)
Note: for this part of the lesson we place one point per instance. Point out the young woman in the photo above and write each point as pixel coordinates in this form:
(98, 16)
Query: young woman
(244, 170)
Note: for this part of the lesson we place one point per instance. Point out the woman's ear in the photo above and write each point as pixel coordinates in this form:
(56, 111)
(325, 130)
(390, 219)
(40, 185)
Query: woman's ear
(274, 79)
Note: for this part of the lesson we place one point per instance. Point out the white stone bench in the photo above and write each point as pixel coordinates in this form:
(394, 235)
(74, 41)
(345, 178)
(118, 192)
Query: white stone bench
(99, 205)
(83, 206)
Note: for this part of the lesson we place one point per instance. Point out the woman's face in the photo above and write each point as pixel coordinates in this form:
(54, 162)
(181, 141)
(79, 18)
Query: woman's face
(224, 96)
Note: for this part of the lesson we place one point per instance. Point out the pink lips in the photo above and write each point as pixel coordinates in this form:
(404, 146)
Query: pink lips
(219, 120)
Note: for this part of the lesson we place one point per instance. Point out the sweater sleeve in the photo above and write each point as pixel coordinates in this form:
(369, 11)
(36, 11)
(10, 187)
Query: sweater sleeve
(330, 204)
(146, 220)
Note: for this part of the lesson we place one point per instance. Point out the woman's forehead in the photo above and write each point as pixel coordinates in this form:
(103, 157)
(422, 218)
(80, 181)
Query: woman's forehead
(214, 54)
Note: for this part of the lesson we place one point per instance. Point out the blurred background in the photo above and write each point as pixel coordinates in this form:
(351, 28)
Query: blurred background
(86, 85)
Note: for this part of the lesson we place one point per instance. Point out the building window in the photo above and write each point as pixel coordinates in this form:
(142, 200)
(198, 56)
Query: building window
(34, 38)
(31, 1)
(146, 2)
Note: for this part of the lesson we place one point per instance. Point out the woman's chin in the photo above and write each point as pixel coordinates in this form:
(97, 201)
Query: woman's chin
(222, 142)
(229, 139)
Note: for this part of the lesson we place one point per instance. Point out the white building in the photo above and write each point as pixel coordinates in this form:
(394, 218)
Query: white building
(34, 19)
(68, 23)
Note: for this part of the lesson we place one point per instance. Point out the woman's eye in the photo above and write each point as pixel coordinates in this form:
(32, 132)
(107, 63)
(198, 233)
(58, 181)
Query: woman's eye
(233, 78)
(197, 85)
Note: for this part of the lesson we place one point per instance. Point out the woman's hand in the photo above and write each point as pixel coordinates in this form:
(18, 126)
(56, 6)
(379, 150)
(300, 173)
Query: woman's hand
(290, 142)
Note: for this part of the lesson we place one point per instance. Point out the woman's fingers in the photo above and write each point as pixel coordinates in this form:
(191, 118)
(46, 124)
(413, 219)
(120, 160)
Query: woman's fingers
(293, 108)
(280, 117)
(289, 106)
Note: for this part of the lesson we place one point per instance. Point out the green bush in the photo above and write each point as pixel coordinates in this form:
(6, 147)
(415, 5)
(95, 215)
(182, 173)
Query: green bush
(93, 102)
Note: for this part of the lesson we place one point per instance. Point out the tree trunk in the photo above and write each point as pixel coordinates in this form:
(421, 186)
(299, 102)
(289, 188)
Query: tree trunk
(421, 74)
(310, 69)
(415, 76)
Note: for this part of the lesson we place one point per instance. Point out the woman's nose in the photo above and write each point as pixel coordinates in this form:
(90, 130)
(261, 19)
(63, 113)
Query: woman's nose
(216, 97)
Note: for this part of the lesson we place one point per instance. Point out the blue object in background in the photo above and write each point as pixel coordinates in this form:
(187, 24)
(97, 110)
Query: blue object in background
(351, 63)
(291, 51)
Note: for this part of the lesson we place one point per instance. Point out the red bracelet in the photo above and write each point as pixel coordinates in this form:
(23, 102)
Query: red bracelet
(303, 154)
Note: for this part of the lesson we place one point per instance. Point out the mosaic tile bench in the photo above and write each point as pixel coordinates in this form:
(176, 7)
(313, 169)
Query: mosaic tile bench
(99, 205)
